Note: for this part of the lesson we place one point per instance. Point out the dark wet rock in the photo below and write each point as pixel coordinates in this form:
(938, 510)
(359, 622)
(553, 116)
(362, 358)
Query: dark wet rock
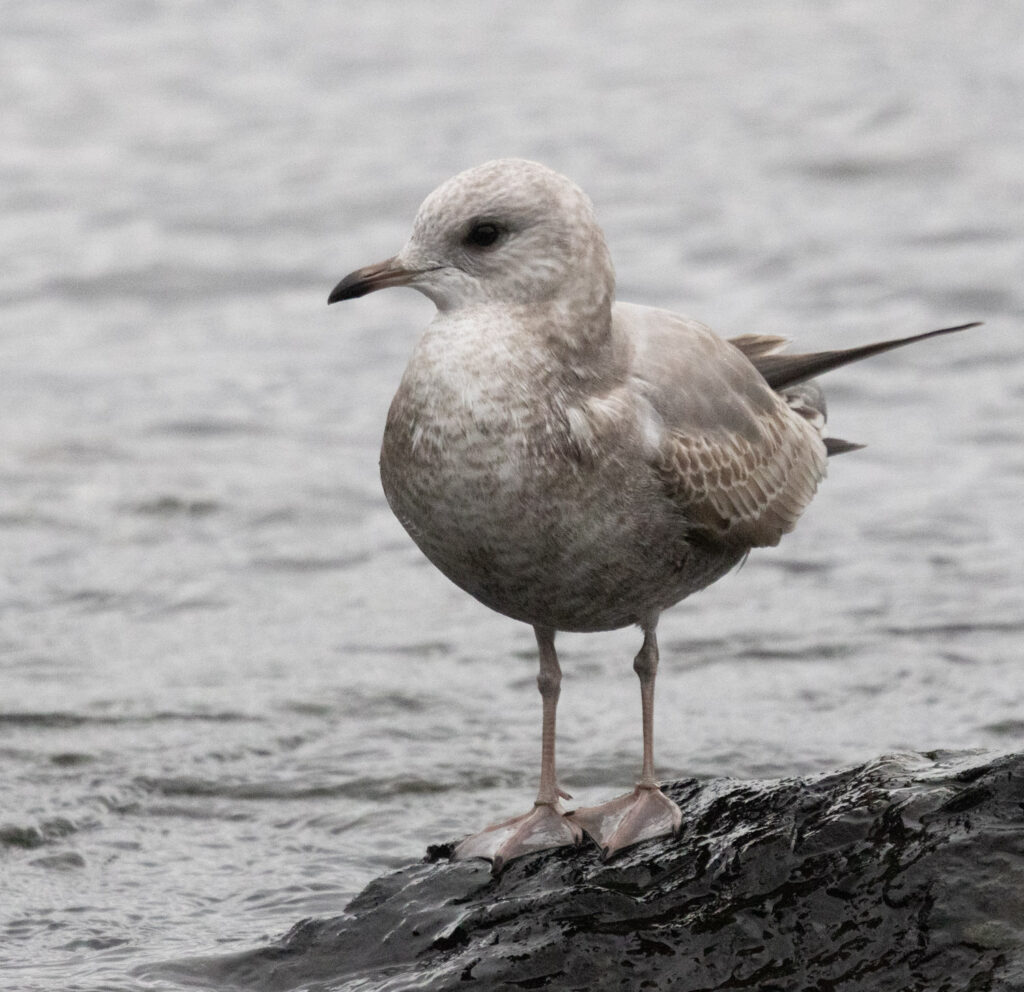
(903, 874)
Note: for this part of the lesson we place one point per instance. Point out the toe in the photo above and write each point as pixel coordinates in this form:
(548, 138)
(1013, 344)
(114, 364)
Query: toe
(640, 815)
(544, 827)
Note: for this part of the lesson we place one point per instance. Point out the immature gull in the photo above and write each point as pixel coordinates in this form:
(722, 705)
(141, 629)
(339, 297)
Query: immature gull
(577, 463)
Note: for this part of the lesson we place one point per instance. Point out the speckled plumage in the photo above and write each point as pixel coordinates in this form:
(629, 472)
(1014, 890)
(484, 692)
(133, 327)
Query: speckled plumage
(573, 462)
(569, 461)
(582, 504)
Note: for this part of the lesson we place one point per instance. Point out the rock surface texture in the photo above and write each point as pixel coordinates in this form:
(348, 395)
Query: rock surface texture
(903, 874)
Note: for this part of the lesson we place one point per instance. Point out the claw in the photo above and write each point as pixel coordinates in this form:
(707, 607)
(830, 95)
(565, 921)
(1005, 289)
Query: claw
(643, 814)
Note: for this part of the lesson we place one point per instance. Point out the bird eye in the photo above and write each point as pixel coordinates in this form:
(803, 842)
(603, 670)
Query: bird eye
(484, 234)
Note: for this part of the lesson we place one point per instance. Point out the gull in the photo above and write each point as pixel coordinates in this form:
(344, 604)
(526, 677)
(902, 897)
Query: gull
(578, 463)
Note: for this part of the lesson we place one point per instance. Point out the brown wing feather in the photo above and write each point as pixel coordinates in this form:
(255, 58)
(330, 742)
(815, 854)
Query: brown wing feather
(746, 492)
(741, 465)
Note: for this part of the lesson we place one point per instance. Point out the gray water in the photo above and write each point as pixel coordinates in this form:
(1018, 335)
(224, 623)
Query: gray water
(231, 690)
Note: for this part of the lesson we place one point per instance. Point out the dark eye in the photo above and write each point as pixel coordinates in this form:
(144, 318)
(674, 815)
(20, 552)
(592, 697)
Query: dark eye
(483, 234)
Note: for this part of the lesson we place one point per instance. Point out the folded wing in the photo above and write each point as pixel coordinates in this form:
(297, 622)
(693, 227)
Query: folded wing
(740, 463)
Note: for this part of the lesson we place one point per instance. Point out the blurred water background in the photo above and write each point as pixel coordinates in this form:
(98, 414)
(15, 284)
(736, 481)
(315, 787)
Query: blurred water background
(231, 690)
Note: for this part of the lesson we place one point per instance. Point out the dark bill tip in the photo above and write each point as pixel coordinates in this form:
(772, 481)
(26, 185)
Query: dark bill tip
(370, 278)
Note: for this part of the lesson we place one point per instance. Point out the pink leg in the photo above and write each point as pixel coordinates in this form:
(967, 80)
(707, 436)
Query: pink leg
(646, 667)
(546, 825)
(646, 812)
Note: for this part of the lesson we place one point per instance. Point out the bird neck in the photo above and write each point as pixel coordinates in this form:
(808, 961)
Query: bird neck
(573, 331)
(576, 321)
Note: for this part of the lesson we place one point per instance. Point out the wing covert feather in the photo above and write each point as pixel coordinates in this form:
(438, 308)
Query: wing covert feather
(740, 463)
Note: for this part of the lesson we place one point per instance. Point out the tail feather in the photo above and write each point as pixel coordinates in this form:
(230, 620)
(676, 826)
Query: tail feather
(784, 370)
(837, 446)
(757, 345)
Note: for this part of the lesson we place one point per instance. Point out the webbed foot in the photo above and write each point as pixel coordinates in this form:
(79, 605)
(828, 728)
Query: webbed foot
(547, 825)
(642, 814)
